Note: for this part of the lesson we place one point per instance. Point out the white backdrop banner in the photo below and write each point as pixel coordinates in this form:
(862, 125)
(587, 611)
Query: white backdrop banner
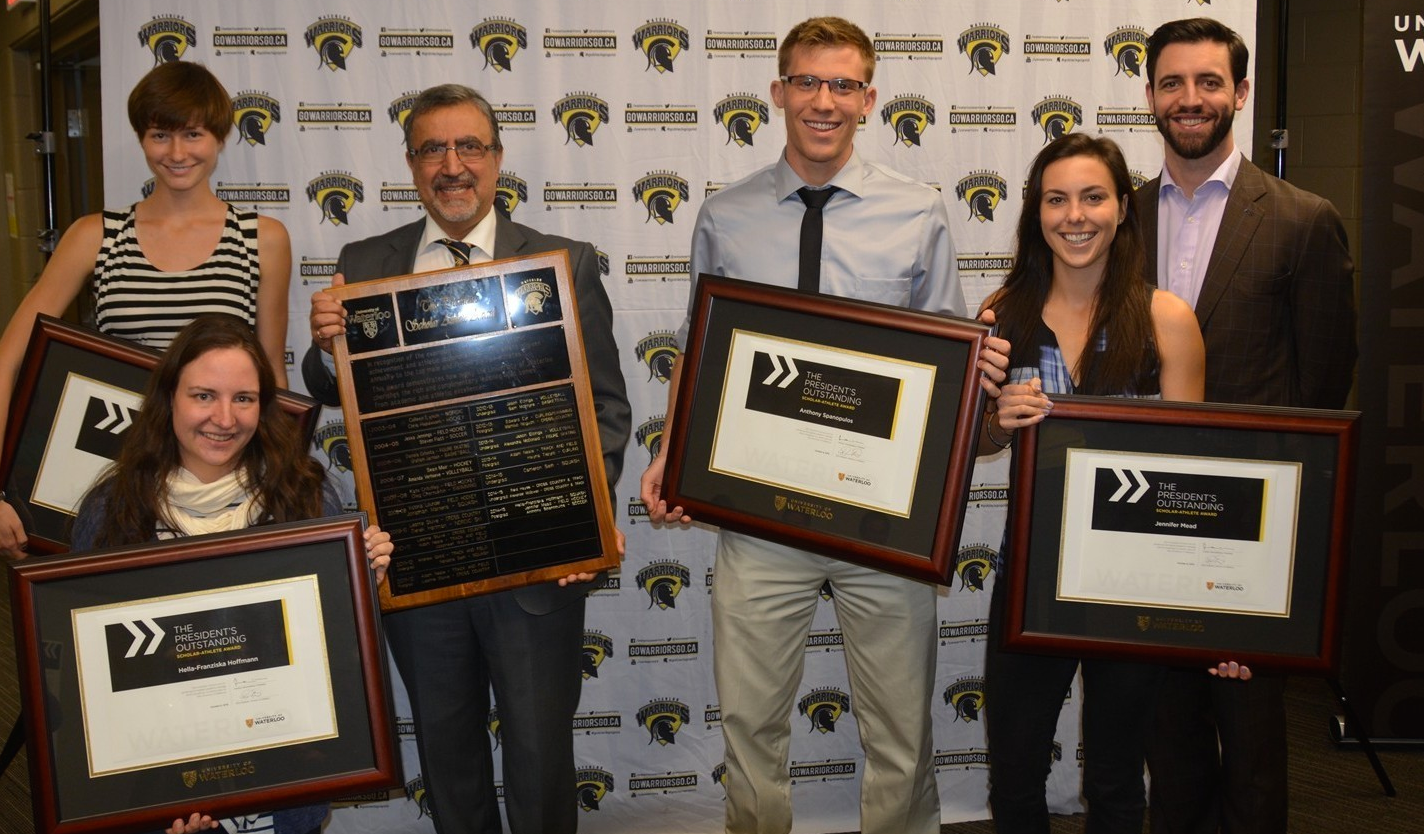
(673, 94)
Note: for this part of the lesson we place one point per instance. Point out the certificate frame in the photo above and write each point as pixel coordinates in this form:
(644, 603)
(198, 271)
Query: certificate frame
(218, 775)
(1221, 562)
(889, 480)
(75, 392)
(428, 454)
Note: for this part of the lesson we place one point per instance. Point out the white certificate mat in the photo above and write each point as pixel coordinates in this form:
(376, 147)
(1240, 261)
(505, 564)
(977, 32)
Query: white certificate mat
(837, 424)
(1179, 532)
(171, 679)
(88, 429)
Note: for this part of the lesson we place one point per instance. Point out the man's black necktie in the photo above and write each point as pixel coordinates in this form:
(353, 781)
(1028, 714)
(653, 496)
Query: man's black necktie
(458, 248)
(809, 273)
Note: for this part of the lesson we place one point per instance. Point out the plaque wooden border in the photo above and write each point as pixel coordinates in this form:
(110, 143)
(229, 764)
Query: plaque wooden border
(56, 349)
(602, 505)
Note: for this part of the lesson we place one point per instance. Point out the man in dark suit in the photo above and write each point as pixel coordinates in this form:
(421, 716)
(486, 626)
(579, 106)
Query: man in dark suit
(527, 642)
(1267, 269)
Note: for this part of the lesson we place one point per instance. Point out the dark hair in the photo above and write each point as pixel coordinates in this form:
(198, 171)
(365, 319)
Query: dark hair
(449, 95)
(1122, 310)
(178, 94)
(826, 32)
(275, 467)
(1196, 30)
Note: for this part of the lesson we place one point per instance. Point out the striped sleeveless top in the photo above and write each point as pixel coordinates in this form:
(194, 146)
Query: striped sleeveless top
(141, 303)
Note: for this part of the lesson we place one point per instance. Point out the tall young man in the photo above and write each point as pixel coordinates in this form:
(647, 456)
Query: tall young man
(885, 238)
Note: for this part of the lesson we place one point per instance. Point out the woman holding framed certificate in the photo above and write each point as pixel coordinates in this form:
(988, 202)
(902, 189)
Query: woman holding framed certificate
(211, 450)
(1081, 320)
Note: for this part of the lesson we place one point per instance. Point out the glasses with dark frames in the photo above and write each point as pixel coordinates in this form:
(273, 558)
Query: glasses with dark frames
(469, 150)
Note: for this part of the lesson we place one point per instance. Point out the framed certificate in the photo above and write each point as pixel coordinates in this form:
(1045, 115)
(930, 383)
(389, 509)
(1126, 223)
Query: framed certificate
(225, 674)
(78, 391)
(1181, 533)
(472, 428)
(843, 427)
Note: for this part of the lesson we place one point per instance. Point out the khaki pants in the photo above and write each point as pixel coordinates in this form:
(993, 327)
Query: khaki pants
(764, 597)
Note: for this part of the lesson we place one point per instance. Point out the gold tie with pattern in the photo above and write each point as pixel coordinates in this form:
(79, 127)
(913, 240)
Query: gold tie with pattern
(458, 248)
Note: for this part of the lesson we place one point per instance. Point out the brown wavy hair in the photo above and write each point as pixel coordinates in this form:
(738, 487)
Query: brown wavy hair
(274, 466)
(1123, 307)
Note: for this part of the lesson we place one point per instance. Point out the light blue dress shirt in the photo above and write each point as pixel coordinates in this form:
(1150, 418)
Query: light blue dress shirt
(1186, 229)
(886, 238)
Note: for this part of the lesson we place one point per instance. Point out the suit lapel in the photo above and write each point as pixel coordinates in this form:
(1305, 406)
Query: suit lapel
(400, 260)
(509, 239)
(1146, 198)
(1239, 220)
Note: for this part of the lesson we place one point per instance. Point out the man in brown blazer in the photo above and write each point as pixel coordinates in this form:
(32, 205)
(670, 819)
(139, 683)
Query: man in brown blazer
(1267, 269)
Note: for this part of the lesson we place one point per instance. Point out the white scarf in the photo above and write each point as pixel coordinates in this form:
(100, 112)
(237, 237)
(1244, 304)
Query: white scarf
(196, 508)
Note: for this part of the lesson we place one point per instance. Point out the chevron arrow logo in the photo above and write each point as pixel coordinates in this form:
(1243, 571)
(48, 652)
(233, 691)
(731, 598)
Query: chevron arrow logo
(781, 365)
(1127, 484)
(117, 420)
(145, 630)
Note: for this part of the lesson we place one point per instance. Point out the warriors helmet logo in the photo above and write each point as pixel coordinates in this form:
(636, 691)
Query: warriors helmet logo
(973, 565)
(333, 38)
(498, 38)
(658, 350)
(983, 45)
(336, 193)
(596, 648)
(509, 192)
(399, 110)
(663, 718)
(663, 581)
(167, 38)
(534, 294)
(982, 191)
(1057, 115)
(581, 114)
(492, 724)
(966, 695)
(253, 113)
(741, 115)
(661, 41)
(824, 708)
(1127, 47)
(719, 774)
(331, 440)
(592, 784)
(650, 437)
(415, 792)
(661, 192)
(909, 115)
